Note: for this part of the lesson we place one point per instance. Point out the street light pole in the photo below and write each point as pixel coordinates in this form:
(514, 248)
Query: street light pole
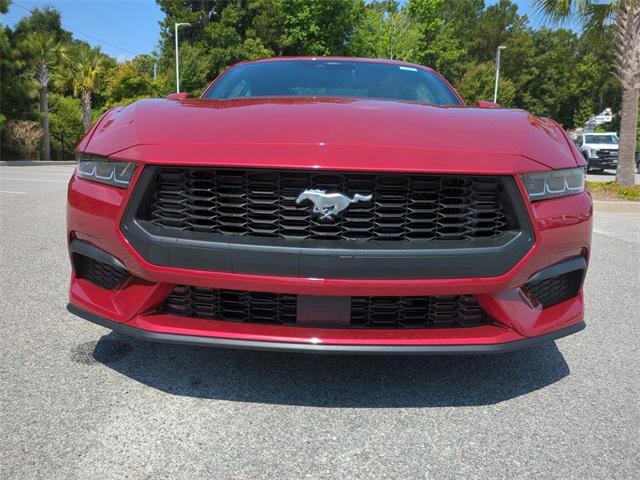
(176, 26)
(495, 90)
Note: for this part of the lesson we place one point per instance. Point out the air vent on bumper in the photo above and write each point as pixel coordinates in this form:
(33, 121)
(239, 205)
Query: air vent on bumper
(96, 266)
(558, 283)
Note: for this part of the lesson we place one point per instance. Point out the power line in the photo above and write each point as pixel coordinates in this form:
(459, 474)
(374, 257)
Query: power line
(85, 34)
(98, 40)
(110, 20)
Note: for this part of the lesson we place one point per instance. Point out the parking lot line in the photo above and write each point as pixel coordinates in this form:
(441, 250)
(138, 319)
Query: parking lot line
(9, 191)
(36, 169)
(3, 172)
(32, 180)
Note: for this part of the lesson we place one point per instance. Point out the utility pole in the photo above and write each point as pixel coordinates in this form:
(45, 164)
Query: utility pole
(495, 90)
(176, 26)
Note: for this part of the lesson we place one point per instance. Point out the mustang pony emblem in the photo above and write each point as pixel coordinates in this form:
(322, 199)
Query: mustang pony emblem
(330, 204)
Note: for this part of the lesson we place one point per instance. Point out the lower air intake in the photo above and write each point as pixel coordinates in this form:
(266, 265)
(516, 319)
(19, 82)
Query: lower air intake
(232, 305)
(98, 273)
(417, 312)
(366, 312)
(551, 291)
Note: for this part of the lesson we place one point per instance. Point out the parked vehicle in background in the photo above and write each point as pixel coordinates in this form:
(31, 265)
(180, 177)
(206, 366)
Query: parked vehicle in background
(600, 150)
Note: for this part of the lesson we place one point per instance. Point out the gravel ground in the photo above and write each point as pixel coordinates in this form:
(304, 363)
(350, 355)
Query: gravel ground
(79, 402)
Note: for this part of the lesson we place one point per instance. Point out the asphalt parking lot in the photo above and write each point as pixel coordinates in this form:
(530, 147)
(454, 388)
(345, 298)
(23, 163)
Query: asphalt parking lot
(79, 402)
(607, 176)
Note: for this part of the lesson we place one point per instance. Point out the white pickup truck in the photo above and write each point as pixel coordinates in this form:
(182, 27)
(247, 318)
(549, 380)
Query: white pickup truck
(600, 150)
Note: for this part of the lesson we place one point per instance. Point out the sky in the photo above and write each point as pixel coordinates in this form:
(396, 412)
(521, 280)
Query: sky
(124, 29)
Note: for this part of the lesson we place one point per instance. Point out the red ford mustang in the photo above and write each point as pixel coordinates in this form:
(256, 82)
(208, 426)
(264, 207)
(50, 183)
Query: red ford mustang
(330, 205)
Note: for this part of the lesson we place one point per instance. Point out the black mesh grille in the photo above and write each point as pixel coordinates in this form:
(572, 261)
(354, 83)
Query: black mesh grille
(231, 305)
(557, 289)
(262, 203)
(99, 273)
(366, 312)
(607, 154)
(417, 312)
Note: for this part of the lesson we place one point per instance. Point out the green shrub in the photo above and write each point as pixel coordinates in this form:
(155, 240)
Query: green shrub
(65, 124)
(611, 190)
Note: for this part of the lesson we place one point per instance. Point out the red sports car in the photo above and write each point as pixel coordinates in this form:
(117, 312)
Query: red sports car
(330, 205)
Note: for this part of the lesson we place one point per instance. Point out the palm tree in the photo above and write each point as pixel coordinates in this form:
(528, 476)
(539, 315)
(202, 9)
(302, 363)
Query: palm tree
(83, 75)
(594, 15)
(44, 51)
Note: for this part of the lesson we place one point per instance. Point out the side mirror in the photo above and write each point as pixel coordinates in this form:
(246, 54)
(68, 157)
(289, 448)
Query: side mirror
(485, 104)
(177, 96)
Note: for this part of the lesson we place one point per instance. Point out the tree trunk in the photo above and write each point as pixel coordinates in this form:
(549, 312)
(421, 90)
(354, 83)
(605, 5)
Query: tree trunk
(44, 110)
(627, 54)
(85, 98)
(628, 125)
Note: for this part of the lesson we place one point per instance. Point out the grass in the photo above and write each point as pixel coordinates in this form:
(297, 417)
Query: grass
(613, 191)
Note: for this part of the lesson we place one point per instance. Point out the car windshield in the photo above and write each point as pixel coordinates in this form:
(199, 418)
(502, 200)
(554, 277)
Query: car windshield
(329, 78)
(609, 139)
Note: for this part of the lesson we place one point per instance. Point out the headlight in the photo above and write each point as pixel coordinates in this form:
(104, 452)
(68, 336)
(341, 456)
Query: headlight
(592, 153)
(558, 183)
(104, 170)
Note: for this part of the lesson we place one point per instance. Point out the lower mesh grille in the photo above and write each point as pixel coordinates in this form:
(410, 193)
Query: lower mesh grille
(554, 290)
(366, 312)
(232, 305)
(98, 273)
(417, 312)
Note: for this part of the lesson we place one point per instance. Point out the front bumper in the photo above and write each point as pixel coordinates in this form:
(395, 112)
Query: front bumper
(300, 347)
(562, 230)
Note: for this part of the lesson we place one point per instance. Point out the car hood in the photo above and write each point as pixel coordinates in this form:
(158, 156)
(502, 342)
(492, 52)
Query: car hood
(328, 124)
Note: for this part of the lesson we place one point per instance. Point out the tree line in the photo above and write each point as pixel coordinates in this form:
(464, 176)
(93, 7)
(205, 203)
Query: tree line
(555, 72)
(50, 79)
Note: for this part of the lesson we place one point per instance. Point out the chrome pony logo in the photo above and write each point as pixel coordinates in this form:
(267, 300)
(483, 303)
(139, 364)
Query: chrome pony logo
(328, 205)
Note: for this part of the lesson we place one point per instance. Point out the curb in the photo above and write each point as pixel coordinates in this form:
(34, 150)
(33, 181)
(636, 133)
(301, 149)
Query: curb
(24, 163)
(616, 207)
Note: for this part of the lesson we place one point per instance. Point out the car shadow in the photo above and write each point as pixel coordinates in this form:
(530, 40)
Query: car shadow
(342, 381)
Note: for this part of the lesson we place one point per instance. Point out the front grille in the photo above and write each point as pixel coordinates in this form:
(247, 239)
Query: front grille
(366, 312)
(262, 203)
(98, 273)
(232, 305)
(554, 290)
(417, 312)
(607, 154)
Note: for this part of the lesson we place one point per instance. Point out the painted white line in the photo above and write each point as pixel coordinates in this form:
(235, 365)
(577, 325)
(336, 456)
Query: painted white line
(43, 167)
(39, 170)
(45, 174)
(32, 180)
(8, 191)
(621, 238)
(36, 169)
